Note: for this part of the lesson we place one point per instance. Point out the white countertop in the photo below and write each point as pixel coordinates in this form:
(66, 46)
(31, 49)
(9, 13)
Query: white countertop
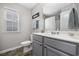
(64, 37)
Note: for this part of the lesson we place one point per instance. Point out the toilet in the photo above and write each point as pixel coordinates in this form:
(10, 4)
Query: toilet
(27, 46)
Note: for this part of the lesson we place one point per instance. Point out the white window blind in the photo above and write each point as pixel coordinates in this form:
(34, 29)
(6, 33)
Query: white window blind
(12, 21)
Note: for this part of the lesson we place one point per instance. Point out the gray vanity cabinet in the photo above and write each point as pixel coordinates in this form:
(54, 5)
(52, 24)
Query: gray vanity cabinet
(66, 47)
(49, 51)
(38, 38)
(37, 46)
(46, 46)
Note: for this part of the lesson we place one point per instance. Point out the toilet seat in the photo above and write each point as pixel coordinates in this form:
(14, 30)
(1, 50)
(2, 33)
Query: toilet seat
(26, 43)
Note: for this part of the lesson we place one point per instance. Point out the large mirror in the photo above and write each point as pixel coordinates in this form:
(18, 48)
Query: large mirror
(60, 17)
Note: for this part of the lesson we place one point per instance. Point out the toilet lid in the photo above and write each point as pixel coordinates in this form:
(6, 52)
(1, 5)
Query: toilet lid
(26, 43)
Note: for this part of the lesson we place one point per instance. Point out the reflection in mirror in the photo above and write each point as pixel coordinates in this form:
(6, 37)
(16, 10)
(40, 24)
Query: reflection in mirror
(57, 22)
(68, 20)
(56, 17)
(50, 24)
(35, 24)
(61, 17)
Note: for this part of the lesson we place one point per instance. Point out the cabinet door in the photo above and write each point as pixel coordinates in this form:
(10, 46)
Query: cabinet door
(48, 51)
(37, 38)
(67, 47)
(37, 49)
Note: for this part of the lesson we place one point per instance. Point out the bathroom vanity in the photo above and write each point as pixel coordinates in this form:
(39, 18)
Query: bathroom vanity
(56, 19)
(54, 45)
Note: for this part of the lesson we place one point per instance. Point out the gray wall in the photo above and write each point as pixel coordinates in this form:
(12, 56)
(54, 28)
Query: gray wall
(9, 39)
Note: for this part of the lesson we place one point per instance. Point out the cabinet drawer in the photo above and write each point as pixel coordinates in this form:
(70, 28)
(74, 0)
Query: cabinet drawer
(37, 37)
(63, 46)
(48, 51)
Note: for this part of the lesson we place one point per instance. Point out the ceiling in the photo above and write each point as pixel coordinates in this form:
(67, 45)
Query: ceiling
(48, 8)
(29, 5)
(53, 8)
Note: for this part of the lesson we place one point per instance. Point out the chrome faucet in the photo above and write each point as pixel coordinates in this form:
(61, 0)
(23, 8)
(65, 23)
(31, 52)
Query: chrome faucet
(54, 32)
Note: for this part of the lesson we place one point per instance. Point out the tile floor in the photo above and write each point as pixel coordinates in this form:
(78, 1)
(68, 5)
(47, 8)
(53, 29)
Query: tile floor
(17, 52)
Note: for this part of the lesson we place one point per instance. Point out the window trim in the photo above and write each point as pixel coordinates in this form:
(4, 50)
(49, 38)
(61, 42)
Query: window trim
(5, 19)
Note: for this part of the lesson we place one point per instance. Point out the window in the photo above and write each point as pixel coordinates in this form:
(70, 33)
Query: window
(12, 21)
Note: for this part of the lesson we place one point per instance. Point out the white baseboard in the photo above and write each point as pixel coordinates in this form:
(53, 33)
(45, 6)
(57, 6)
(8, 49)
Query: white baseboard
(10, 49)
